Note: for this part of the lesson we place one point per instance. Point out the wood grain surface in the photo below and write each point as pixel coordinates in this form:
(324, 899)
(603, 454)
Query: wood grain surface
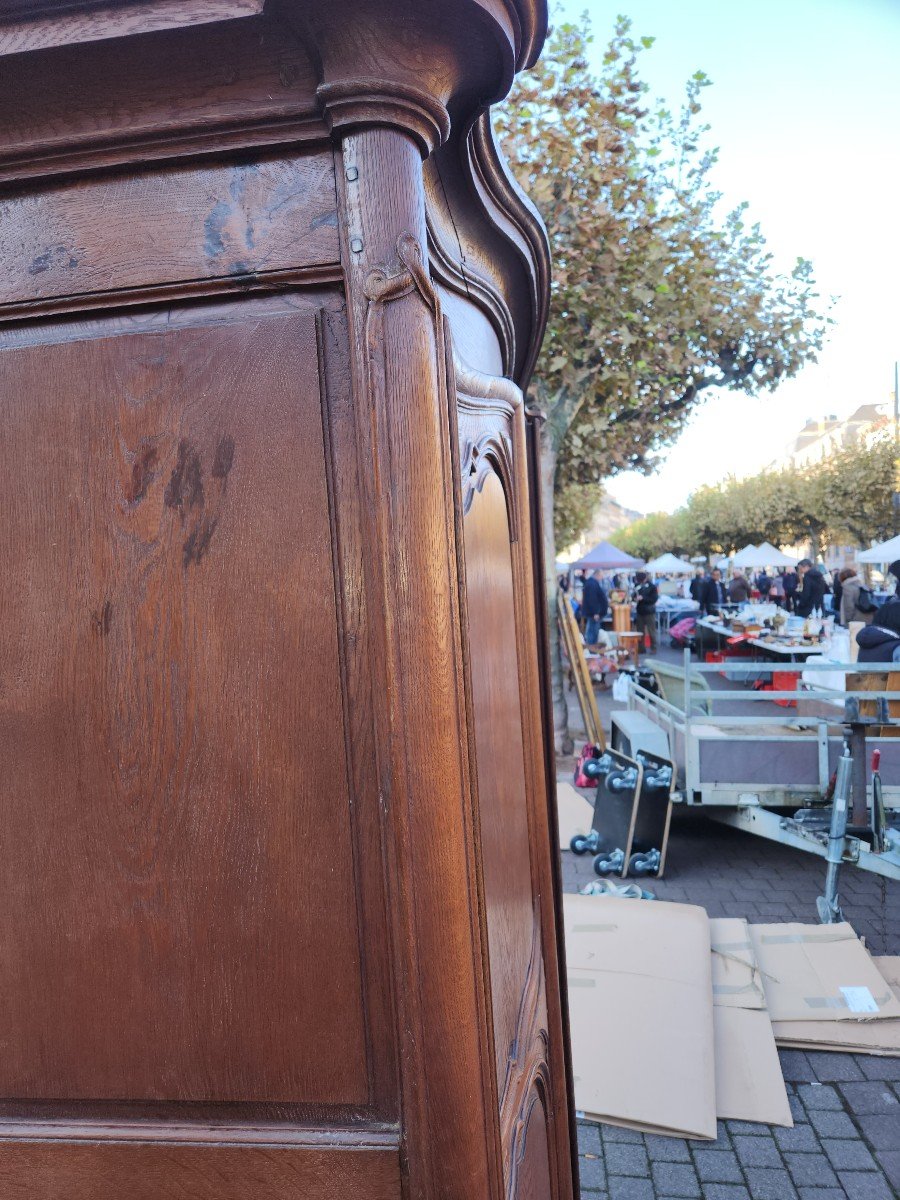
(222, 220)
(71, 1171)
(177, 909)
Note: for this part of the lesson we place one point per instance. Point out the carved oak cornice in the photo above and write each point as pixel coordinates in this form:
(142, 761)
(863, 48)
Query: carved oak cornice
(355, 103)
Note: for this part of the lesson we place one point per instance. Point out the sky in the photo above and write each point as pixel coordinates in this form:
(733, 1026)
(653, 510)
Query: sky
(805, 110)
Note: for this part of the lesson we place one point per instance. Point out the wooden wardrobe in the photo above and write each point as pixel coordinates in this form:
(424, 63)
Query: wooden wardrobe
(278, 897)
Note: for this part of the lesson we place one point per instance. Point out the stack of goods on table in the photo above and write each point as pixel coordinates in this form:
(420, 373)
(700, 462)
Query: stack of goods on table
(675, 1016)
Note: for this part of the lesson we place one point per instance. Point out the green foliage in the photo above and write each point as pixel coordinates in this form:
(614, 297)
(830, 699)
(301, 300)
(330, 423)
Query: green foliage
(844, 498)
(655, 297)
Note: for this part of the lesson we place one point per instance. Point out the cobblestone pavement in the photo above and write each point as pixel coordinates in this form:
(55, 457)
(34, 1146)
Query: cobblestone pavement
(846, 1141)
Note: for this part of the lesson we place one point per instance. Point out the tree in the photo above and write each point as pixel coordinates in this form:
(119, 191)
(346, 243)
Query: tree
(654, 298)
(844, 497)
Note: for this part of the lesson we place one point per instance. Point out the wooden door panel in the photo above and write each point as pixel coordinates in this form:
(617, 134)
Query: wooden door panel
(177, 912)
(506, 858)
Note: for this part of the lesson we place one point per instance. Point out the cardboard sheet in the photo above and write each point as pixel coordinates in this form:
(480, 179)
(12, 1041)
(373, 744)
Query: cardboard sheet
(736, 980)
(880, 1037)
(575, 813)
(749, 1082)
(820, 973)
(640, 1003)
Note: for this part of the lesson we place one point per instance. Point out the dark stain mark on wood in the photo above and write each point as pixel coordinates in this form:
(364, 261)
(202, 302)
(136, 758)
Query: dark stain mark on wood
(53, 256)
(224, 458)
(102, 621)
(142, 473)
(185, 487)
(329, 218)
(214, 230)
(197, 542)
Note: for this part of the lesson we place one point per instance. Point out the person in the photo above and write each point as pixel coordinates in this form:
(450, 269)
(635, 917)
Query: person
(789, 586)
(594, 607)
(714, 594)
(880, 641)
(837, 590)
(563, 582)
(763, 585)
(645, 598)
(811, 595)
(698, 585)
(856, 599)
(894, 569)
(739, 589)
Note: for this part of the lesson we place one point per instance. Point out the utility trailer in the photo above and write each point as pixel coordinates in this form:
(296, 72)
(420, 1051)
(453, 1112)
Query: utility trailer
(771, 775)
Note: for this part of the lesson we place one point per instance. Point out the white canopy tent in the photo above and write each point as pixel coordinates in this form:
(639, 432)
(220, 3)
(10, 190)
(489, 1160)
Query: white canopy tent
(884, 552)
(764, 555)
(669, 564)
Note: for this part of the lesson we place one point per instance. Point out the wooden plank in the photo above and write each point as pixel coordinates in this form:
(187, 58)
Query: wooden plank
(92, 22)
(115, 1170)
(103, 235)
(583, 683)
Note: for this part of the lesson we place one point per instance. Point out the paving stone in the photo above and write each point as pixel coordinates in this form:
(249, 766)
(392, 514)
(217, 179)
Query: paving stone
(831, 1067)
(795, 1067)
(873, 1096)
(879, 1068)
(865, 1185)
(801, 1137)
(817, 1193)
(889, 1161)
(882, 1132)
(612, 1133)
(834, 1124)
(624, 1159)
(588, 1139)
(757, 1151)
(591, 1172)
(717, 1166)
(666, 1149)
(676, 1179)
(770, 1183)
(798, 1112)
(815, 1095)
(849, 1155)
(725, 1191)
(747, 1128)
(811, 1170)
(630, 1189)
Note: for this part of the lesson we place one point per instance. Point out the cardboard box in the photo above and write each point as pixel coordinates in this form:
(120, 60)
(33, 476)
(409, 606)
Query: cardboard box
(640, 1004)
(880, 1037)
(820, 973)
(749, 1082)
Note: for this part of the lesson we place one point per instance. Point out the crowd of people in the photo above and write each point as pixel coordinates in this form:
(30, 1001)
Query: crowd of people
(808, 590)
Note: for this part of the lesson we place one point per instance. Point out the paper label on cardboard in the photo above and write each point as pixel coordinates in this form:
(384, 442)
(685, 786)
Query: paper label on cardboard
(859, 1000)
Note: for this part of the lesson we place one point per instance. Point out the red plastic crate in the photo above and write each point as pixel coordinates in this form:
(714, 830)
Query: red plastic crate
(785, 681)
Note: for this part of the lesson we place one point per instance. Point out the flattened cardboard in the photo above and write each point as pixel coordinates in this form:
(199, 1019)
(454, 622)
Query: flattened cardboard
(749, 1082)
(575, 813)
(640, 1006)
(736, 981)
(804, 968)
(880, 1037)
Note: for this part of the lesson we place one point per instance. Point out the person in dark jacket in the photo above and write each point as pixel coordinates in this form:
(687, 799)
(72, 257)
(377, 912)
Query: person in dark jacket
(811, 595)
(645, 597)
(763, 584)
(594, 607)
(715, 594)
(739, 589)
(880, 641)
(789, 586)
(698, 585)
(894, 569)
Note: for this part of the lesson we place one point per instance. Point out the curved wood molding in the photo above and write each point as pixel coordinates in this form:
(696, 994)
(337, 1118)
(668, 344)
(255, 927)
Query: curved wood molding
(354, 103)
